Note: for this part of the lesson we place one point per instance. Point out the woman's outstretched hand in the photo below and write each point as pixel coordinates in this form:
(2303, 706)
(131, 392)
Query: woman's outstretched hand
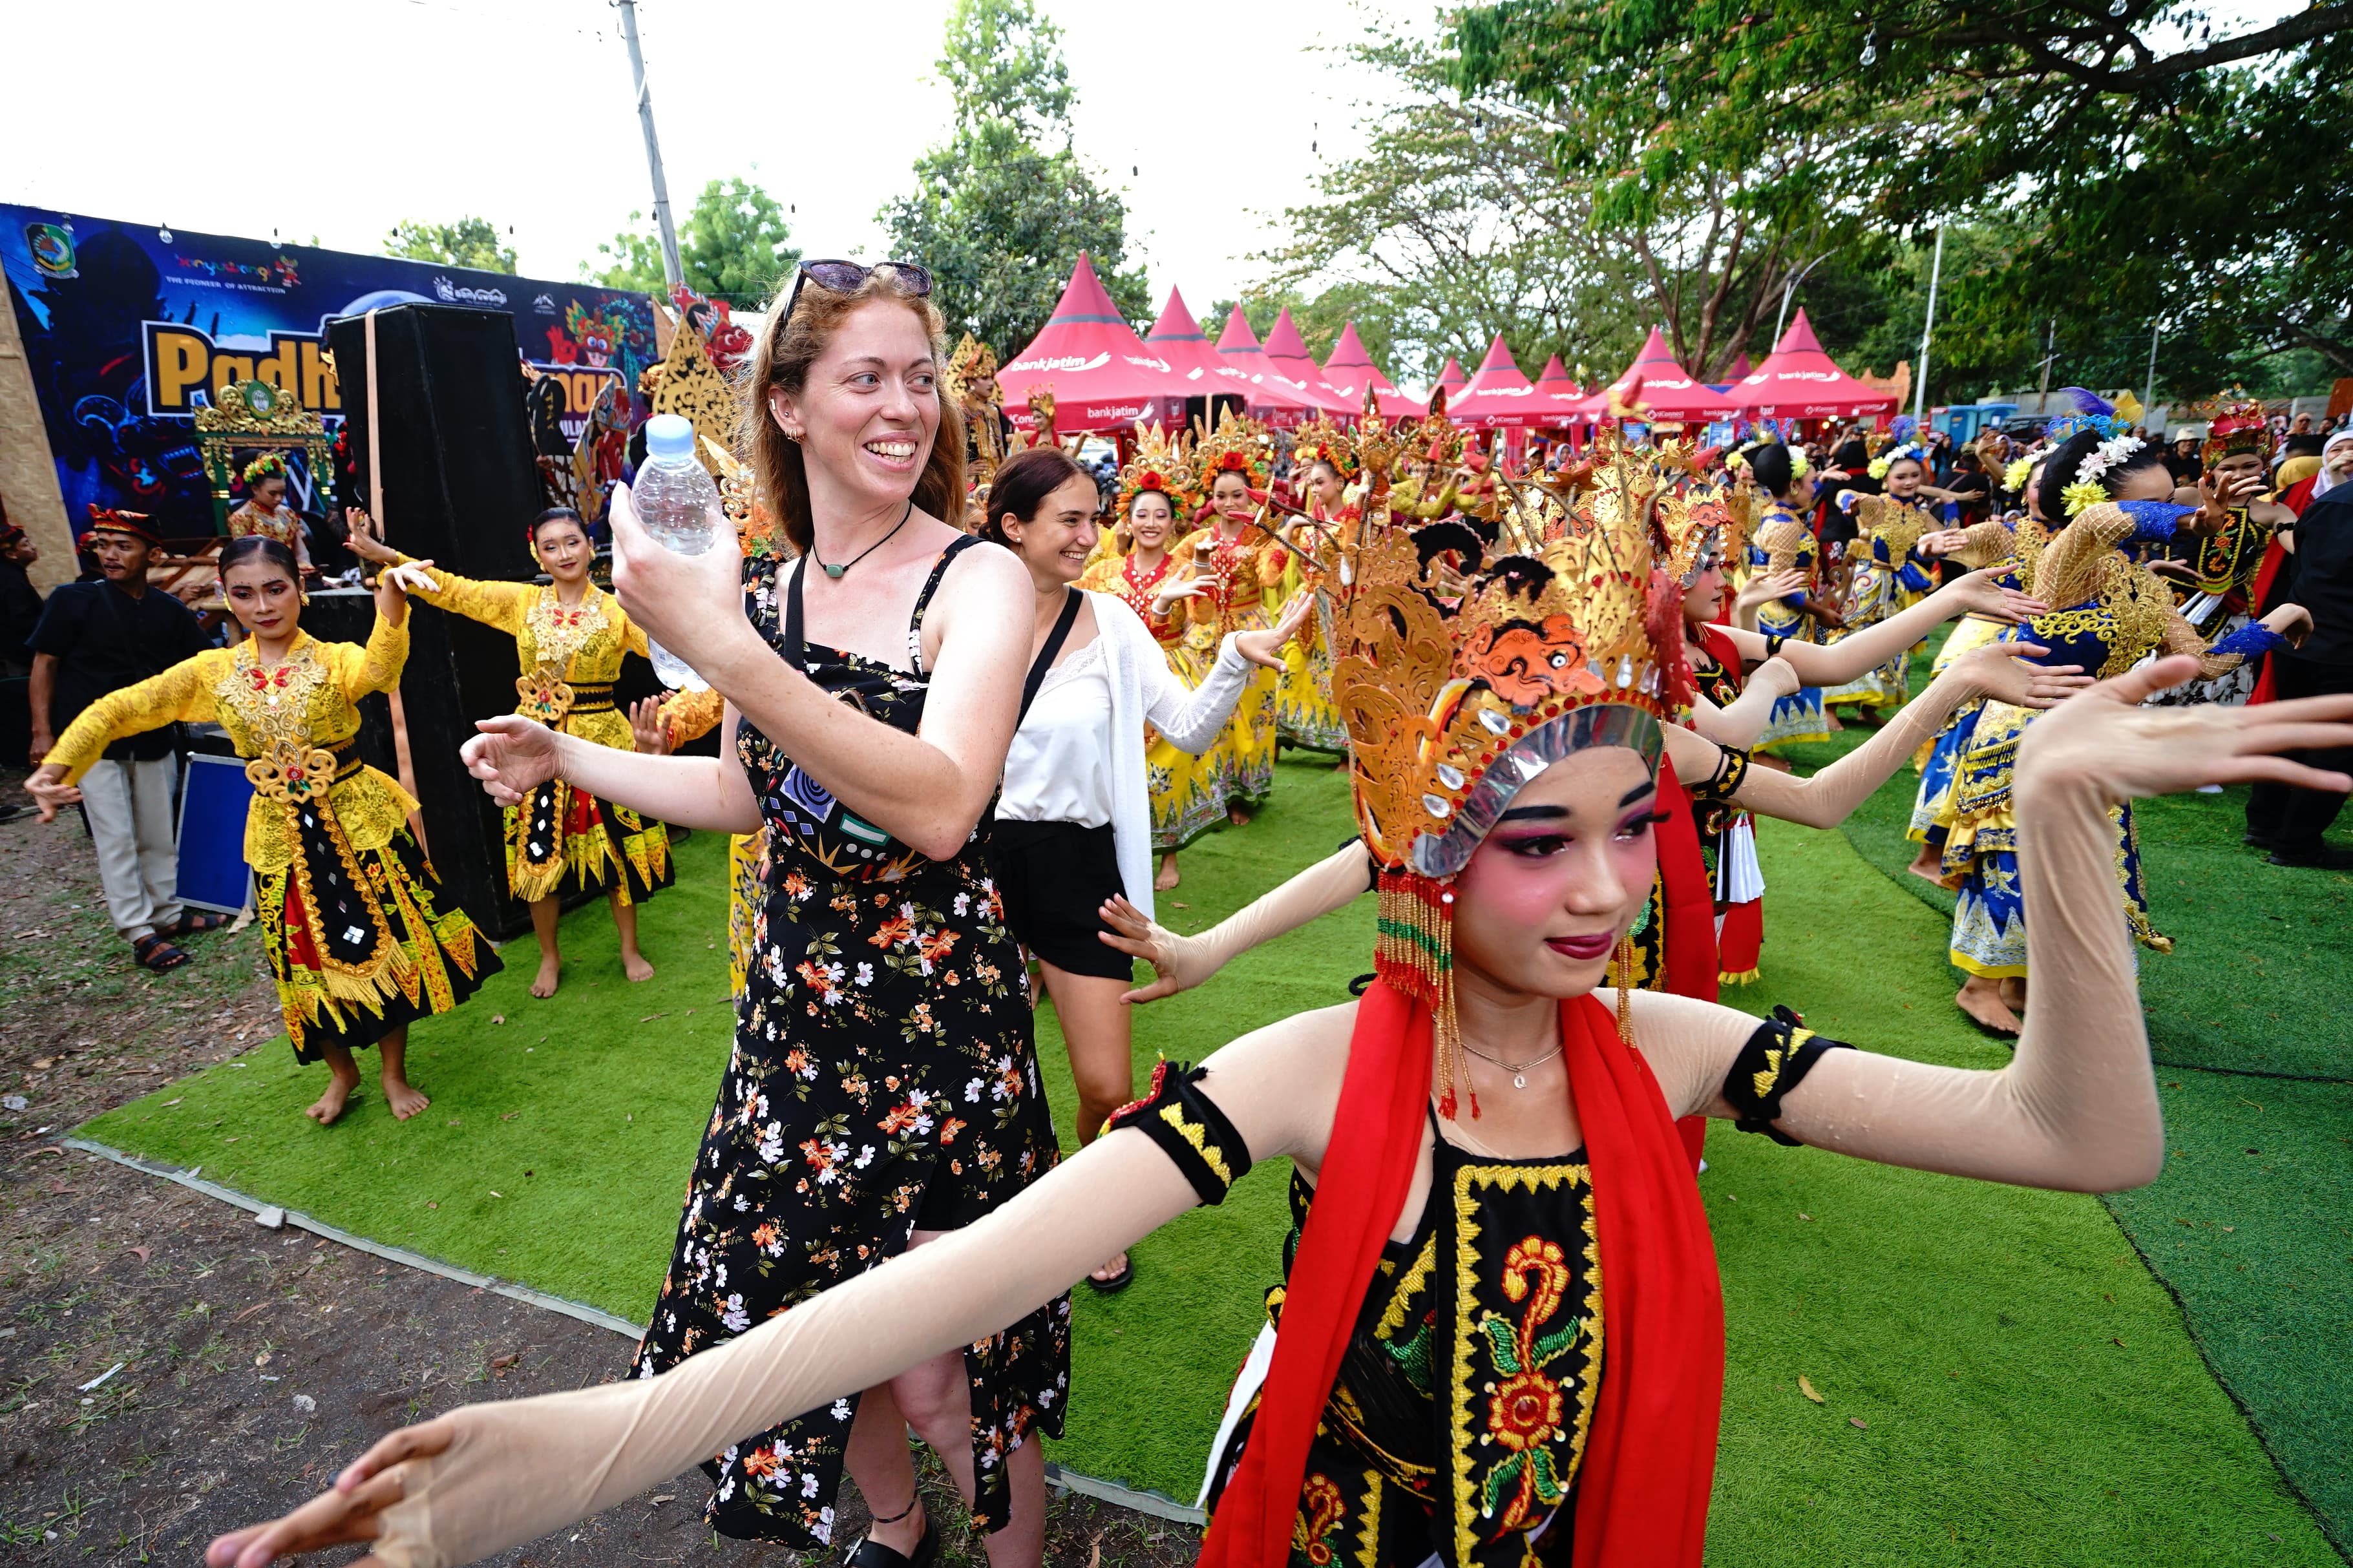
(2105, 738)
(648, 728)
(1265, 648)
(689, 603)
(1176, 960)
(50, 791)
(1998, 671)
(1979, 594)
(364, 536)
(353, 1509)
(512, 756)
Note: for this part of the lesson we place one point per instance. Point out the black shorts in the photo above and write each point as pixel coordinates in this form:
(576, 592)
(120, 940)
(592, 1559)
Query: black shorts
(1053, 877)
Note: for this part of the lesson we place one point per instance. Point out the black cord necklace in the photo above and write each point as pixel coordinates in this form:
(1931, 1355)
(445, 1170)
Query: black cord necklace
(835, 572)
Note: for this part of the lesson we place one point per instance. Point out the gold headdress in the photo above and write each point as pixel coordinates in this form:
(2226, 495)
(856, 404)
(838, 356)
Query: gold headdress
(2235, 424)
(1320, 441)
(1238, 445)
(1161, 465)
(1704, 524)
(1466, 664)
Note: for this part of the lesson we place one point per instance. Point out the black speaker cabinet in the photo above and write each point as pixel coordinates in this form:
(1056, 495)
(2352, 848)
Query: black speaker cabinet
(460, 488)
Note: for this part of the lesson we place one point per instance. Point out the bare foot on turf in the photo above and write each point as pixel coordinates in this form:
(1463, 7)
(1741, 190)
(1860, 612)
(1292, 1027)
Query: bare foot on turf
(1928, 866)
(2013, 994)
(1237, 816)
(1165, 881)
(635, 966)
(1982, 1000)
(543, 984)
(330, 1105)
(403, 1098)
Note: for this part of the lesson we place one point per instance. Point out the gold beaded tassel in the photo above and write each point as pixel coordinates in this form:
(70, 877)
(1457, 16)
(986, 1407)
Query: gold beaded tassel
(1414, 952)
(1626, 988)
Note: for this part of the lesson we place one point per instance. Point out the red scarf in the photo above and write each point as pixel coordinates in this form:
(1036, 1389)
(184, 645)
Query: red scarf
(1650, 1457)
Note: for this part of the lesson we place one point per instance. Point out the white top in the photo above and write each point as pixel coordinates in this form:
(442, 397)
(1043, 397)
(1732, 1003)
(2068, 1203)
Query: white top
(1058, 769)
(1142, 687)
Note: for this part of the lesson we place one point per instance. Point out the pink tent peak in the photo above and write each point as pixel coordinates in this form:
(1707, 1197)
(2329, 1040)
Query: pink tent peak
(1497, 396)
(1176, 337)
(1267, 388)
(1351, 368)
(1556, 395)
(1287, 356)
(1670, 394)
(1799, 381)
(1451, 377)
(1102, 376)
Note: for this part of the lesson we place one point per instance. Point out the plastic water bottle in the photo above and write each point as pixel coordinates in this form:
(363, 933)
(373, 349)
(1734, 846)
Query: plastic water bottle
(679, 505)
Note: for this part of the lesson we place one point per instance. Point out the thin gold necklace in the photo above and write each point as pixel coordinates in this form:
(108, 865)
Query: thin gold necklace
(1519, 1071)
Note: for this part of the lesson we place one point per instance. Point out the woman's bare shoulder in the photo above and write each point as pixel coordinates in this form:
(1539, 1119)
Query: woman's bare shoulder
(1280, 1085)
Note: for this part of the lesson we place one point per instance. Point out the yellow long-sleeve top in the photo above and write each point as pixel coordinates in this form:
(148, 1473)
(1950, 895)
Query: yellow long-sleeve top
(559, 645)
(291, 720)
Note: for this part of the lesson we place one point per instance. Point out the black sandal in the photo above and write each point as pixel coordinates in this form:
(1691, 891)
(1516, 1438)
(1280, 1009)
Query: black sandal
(871, 1554)
(194, 923)
(1117, 1282)
(156, 954)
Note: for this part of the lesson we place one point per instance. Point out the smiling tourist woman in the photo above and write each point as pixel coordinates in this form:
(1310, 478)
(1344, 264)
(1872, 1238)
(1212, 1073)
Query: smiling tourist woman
(355, 941)
(883, 1090)
(1501, 1335)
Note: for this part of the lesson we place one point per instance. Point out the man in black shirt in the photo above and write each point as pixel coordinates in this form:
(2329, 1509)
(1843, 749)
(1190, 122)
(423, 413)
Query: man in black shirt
(2319, 573)
(20, 611)
(98, 638)
(2182, 461)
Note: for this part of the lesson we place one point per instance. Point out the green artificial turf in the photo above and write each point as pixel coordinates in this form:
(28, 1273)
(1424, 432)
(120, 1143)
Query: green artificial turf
(2054, 1444)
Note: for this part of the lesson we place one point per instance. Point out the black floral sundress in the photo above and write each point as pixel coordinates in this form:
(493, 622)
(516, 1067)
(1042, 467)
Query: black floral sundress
(884, 1080)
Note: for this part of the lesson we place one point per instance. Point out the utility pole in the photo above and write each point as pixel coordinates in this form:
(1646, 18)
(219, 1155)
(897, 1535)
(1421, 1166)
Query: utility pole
(2148, 387)
(671, 271)
(1927, 331)
(2049, 352)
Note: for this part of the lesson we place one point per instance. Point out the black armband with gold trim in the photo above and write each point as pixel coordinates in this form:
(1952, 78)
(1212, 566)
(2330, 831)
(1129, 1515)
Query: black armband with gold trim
(1775, 1059)
(1190, 1129)
(1731, 773)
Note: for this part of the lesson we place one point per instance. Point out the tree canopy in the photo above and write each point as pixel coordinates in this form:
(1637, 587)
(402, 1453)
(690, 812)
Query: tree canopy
(2138, 164)
(1001, 210)
(734, 245)
(469, 242)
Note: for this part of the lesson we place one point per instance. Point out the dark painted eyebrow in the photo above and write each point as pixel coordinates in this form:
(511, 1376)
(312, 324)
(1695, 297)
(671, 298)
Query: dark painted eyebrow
(1533, 814)
(1637, 792)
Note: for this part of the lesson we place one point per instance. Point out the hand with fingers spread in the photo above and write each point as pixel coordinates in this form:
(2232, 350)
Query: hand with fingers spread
(648, 728)
(351, 1509)
(364, 536)
(1942, 541)
(1180, 962)
(1173, 589)
(1999, 670)
(410, 577)
(1768, 586)
(1264, 647)
(2218, 494)
(2106, 739)
(512, 756)
(1983, 593)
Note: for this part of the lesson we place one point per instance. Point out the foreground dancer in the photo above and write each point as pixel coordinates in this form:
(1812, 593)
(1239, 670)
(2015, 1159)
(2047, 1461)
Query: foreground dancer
(1537, 1372)
(356, 941)
(883, 1090)
(570, 635)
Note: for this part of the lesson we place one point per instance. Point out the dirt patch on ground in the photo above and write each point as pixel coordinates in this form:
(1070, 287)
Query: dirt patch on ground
(169, 1369)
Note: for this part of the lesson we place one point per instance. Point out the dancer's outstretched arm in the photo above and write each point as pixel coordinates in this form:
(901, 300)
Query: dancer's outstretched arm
(1834, 664)
(2076, 1107)
(1739, 723)
(1829, 797)
(1182, 962)
(515, 755)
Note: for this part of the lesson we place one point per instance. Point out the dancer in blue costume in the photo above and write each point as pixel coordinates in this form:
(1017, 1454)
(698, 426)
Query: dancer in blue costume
(2110, 613)
(1782, 545)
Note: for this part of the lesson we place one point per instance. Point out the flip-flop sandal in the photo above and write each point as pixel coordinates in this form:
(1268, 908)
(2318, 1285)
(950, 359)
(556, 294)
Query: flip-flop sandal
(194, 923)
(156, 954)
(1117, 1282)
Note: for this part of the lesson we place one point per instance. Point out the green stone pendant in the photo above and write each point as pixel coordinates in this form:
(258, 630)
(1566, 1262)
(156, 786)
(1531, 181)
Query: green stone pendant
(834, 572)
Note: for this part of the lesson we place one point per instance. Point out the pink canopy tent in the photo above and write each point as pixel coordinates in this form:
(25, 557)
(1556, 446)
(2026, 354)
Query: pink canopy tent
(1797, 380)
(1667, 392)
(1351, 369)
(1557, 397)
(1287, 355)
(1450, 381)
(1269, 393)
(1102, 376)
(1176, 337)
(1497, 396)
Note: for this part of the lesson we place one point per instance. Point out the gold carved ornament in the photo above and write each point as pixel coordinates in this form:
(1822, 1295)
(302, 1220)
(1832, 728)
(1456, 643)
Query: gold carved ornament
(252, 414)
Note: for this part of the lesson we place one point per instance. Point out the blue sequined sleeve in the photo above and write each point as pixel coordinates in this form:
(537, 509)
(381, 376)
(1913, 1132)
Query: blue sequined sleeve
(2250, 641)
(2153, 521)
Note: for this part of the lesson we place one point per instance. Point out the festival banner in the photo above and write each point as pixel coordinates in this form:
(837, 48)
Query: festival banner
(128, 328)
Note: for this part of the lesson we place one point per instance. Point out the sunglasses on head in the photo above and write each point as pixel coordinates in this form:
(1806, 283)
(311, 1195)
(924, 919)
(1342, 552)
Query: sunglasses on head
(847, 277)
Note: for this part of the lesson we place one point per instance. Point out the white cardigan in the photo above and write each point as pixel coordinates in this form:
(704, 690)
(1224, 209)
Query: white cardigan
(1143, 687)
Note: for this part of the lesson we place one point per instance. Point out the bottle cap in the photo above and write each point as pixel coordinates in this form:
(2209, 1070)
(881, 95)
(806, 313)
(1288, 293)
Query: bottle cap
(669, 438)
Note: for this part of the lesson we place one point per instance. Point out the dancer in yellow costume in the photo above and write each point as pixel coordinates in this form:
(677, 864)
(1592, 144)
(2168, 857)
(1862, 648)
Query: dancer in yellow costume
(571, 635)
(1890, 570)
(1324, 465)
(356, 943)
(1234, 560)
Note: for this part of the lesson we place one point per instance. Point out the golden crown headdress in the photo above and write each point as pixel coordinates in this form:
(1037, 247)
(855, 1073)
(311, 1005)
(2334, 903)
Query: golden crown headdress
(1320, 441)
(1702, 524)
(2235, 423)
(1238, 445)
(1466, 662)
(1159, 464)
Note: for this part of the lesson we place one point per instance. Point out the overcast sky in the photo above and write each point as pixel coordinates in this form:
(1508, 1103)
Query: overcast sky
(338, 120)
